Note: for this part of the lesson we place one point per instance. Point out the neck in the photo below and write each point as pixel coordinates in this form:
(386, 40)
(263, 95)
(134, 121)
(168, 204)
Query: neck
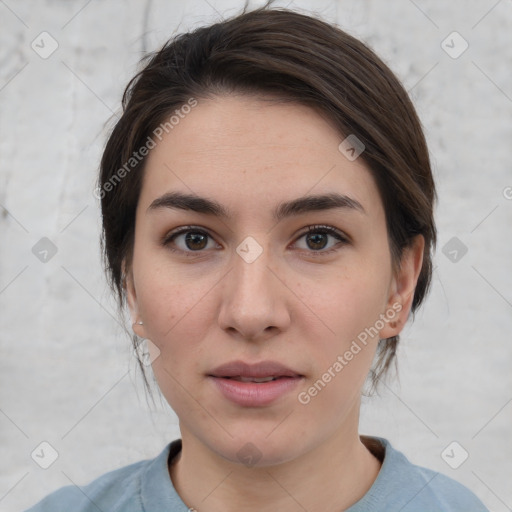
(332, 476)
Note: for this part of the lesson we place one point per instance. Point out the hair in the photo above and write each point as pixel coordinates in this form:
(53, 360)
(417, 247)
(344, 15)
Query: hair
(279, 53)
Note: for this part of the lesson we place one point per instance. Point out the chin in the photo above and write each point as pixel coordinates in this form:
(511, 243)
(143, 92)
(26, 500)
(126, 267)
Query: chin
(258, 449)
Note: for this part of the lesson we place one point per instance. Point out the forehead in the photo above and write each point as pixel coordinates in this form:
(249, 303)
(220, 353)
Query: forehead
(246, 151)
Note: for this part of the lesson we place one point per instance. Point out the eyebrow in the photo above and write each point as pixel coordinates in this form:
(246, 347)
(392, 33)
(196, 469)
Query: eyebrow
(305, 204)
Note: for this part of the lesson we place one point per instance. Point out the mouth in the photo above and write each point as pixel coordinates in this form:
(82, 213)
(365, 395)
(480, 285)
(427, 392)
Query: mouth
(263, 371)
(257, 380)
(239, 378)
(253, 385)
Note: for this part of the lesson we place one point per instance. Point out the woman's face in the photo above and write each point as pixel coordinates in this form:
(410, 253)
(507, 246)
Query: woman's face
(254, 286)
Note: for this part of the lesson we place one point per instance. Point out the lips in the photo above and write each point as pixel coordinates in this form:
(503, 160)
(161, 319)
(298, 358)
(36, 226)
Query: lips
(254, 385)
(264, 371)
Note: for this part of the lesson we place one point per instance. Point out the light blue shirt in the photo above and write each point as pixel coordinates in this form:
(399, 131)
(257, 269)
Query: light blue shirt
(145, 486)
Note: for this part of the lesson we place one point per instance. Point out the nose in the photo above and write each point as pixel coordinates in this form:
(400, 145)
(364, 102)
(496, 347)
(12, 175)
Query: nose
(255, 301)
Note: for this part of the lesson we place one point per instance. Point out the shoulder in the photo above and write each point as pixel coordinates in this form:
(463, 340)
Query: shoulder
(115, 491)
(402, 485)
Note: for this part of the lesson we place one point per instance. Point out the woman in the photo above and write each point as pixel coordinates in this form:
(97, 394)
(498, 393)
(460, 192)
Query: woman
(267, 204)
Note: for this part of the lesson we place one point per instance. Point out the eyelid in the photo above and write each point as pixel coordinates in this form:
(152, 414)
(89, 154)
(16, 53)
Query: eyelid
(169, 237)
(343, 239)
(331, 230)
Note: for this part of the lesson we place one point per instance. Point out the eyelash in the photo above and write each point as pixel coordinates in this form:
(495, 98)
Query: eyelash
(317, 229)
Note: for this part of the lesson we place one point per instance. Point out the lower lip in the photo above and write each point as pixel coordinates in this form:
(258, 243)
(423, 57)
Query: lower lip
(253, 394)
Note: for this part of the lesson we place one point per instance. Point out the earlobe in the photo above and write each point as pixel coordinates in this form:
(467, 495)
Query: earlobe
(403, 288)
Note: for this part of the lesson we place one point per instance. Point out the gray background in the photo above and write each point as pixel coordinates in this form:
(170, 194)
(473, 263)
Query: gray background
(68, 376)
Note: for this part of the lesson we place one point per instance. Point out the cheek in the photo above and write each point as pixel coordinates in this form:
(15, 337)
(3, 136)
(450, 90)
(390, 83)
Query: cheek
(171, 298)
(349, 307)
(349, 303)
(172, 310)
(176, 320)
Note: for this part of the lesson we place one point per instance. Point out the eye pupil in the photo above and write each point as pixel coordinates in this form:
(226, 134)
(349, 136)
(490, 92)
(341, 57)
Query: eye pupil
(194, 238)
(316, 240)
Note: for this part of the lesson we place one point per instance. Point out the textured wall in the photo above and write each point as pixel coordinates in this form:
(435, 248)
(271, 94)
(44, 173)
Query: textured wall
(68, 376)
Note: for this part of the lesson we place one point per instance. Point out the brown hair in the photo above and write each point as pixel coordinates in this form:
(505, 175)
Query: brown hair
(280, 53)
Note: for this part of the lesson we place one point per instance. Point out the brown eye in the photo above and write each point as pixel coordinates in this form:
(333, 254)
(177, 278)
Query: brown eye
(195, 241)
(187, 240)
(317, 239)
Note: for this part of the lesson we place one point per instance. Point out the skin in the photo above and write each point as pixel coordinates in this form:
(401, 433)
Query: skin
(290, 305)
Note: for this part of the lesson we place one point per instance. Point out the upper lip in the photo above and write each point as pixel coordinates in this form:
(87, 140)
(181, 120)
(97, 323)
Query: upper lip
(256, 370)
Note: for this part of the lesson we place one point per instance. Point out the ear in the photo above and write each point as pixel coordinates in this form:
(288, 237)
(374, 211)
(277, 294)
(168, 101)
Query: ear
(131, 299)
(402, 288)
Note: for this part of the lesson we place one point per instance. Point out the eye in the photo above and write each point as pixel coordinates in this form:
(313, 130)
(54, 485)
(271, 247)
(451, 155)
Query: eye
(317, 239)
(189, 239)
